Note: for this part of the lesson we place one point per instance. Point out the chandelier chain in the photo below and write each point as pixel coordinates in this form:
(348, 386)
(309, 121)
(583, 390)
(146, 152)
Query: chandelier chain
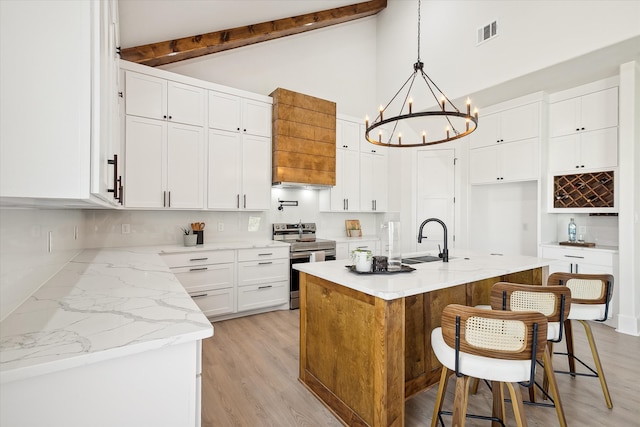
(418, 30)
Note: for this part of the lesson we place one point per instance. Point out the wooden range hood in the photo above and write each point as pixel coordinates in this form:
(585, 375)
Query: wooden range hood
(304, 140)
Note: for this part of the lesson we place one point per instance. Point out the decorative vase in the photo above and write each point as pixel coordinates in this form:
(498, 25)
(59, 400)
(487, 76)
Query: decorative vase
(190, 239)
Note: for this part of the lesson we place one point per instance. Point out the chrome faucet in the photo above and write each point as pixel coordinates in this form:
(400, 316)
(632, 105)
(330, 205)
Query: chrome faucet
(445, 252)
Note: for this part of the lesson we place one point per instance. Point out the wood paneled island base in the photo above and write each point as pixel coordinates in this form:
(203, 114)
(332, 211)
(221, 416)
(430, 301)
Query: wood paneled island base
(362, 355)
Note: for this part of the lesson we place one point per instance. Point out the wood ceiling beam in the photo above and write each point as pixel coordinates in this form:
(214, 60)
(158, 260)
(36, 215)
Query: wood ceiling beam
(170, 51)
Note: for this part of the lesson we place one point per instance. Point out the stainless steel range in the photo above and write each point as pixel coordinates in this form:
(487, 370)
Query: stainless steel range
(303, 241)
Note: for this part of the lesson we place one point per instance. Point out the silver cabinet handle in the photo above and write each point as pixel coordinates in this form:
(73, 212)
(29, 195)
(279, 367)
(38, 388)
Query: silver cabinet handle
(199, 295)
(244, 202)
(164, 199)
(238, 201)
(265, 287)
(265, 263)
(198, 269)
(573, 256)
(269, 254)
(199, 259)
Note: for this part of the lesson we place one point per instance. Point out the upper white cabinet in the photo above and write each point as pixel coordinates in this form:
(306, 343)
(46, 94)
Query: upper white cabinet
(373, 176)
(164, 166)
(63, 158)
(584, 133)
(160, 99)
(236, 114)
(506, 146)
(513, 124)
(517, 161)
(589, 112)
(347, 135)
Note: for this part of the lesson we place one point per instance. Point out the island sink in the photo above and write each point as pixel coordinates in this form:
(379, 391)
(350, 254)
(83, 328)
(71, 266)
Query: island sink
(420, 259)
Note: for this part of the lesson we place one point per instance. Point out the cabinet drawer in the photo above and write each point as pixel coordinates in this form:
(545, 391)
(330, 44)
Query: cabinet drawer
(266, 271)
(197, 258)
(259, 296)
(199, 278)
(262, 254)
(577, 255)
(215, 302)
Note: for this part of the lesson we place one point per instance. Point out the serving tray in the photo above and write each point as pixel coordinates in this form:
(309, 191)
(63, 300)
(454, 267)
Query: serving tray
(403, 269)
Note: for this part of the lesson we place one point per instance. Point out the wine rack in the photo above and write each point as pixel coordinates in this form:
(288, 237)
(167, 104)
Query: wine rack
(583, 190)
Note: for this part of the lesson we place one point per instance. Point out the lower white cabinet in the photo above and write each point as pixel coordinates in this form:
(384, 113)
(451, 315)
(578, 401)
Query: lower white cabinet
(229, 282)
(209, 277)
(344, 249)
(263, 278)
(580, 260)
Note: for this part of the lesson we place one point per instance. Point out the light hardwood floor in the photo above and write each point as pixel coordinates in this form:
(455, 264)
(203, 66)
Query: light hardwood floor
(250, 378)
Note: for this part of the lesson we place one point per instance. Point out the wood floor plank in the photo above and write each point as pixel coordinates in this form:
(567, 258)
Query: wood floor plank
(250, 378)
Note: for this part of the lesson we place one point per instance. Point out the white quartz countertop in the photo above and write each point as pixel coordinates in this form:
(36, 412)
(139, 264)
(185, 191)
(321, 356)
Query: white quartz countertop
(427, 277)
(105, 303)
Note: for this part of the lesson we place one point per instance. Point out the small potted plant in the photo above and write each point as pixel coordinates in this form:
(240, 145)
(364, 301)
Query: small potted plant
(189, 238)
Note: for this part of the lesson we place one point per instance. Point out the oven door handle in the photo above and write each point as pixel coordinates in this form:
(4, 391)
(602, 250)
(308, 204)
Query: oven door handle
(307, 254)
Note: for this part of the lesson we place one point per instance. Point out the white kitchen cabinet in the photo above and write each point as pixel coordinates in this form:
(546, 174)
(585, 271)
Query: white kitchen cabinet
(587, 150)
(586, 113)
(164, 164)
(161, 99)
(342, 250)
(373, 182)
(367, 245)
(509, 125)
(348, 135)
(239, 169)
(345, 195)
(61, 159)
(263, 278)
(579, 260)
(236, 114)
(209, 277)
(505, 162)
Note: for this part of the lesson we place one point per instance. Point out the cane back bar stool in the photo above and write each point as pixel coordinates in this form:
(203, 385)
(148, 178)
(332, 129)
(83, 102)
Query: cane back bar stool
(591, 294)
(499, 346)
(554, 303)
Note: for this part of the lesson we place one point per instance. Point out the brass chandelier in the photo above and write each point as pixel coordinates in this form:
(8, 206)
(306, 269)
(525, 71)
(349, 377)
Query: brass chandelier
(441, 126)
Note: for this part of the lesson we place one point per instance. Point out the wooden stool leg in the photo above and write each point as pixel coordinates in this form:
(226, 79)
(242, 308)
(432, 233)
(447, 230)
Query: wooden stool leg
(442, 389)
(460, 401)
(568, 337)
(498, 402)
(596, 359)
(548, 368)
(516, 403)
(474, 385)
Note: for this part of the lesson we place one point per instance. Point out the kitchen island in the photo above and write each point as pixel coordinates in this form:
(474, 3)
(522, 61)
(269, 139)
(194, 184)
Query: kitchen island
(365, 338)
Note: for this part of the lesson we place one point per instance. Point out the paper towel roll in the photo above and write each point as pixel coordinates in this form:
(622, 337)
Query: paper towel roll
(317, 256)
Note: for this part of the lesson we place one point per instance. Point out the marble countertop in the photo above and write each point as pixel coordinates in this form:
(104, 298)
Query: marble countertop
(463, 267)
(105, 303)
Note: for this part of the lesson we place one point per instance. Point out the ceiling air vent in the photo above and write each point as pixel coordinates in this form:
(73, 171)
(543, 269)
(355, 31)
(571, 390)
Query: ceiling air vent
(487, 32)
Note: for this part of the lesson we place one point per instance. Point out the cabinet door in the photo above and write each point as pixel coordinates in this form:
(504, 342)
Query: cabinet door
(519, 123)
(347, 135)
(484, 165)
(256, 118)
(337, 200)
(146, 96)
(599, 110)
(487, 132)
(564, 117)
(185, 166)
(367, 173)
(186, 104)
(564, 152)
(224, 111)
(145, 159)
(520, 160)
(256, 172)
(599, 149)
(225, 169)
(351, 179)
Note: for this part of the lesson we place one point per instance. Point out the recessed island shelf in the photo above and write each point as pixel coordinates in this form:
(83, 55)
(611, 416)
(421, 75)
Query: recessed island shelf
(365, 339)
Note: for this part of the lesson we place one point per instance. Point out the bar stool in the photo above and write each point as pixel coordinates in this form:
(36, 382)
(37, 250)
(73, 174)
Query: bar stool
(499, 346)
(591, 294)
(553, 302)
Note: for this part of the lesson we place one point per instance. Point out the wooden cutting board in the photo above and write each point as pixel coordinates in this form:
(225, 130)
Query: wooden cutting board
(578, 244)
(353, 227)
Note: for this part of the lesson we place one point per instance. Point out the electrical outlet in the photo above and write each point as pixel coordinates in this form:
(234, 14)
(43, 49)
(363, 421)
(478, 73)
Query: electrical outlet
(126, 228)
(221, 226)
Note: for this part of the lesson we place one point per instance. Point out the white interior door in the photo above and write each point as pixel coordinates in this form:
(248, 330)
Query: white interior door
(435, 192)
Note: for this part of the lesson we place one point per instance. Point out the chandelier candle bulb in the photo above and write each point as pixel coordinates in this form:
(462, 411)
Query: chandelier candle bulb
(410, 105)
(447, 132)
(381, 110)
(399, 138)
(468, 111)
(475, 113)
(424, 137)
(442, 101)
(467, 124)
(366, 121)
(380, 136)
